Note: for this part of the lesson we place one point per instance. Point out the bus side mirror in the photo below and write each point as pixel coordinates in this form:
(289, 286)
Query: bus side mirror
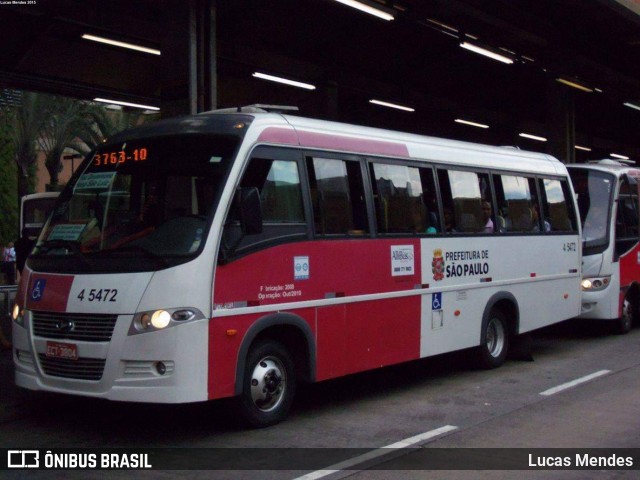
(250, 211)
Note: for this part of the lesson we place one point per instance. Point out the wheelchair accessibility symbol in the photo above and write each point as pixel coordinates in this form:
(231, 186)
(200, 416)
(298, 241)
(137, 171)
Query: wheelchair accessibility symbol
(436, 301)
(38, 289)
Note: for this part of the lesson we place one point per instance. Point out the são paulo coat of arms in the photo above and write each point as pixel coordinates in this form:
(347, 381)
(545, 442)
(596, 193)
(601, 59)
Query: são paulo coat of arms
(437, 265)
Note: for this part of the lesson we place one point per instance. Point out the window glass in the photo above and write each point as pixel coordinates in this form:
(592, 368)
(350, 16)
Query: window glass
(558, 210)
(399, 201)
(337, 193)
(594, 190)
(627, 217)
(467, 203)
(517, 205)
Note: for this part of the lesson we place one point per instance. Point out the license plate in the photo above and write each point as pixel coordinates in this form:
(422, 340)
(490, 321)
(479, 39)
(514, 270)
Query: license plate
(68, 351)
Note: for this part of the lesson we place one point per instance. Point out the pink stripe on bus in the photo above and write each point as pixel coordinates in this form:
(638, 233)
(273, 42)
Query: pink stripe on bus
(279, 135)
(332, 142)
(352, 144)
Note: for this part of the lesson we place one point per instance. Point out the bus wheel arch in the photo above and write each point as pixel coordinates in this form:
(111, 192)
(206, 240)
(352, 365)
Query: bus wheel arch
(277, 351)
(500, 323)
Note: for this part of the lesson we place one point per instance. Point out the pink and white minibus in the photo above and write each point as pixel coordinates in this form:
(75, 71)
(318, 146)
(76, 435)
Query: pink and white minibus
(238, 254)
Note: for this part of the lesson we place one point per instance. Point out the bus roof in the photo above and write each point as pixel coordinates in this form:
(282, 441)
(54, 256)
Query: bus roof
(287, 130)
(611, 166)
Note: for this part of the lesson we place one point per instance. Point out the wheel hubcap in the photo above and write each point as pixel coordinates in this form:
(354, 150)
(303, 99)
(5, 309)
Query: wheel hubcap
(495, 337)
(268, 384)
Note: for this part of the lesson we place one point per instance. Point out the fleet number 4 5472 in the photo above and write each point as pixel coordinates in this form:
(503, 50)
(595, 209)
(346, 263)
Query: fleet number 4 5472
(98, 295)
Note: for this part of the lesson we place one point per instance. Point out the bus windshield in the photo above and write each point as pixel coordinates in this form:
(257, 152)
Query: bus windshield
(138, 205)
(595, 194)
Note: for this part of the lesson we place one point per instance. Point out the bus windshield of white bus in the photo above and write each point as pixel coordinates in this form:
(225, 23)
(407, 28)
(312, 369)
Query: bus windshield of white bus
(595, 193)
(139, 205)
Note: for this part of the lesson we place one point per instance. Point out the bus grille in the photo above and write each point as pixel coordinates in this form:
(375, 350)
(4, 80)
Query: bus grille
(74, 326)
(81, 369)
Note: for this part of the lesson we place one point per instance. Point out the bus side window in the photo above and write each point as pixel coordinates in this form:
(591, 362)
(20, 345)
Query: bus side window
(626, 217)
(398, 199)
(557, 207)
(516, 204)
(464, 194)
(337, 194)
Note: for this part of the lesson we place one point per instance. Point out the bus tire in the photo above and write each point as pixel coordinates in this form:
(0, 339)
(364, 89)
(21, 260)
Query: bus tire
(625, 322)
(269, 384)
(494, 340)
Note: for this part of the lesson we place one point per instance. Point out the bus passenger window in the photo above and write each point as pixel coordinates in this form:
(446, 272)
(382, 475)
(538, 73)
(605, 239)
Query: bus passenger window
(464, 195)
(398, 199)
(516, 204)
(557, 208)
(337, 193)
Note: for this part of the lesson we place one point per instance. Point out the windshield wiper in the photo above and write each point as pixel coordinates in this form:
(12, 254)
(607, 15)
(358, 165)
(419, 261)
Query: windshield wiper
(69, 246)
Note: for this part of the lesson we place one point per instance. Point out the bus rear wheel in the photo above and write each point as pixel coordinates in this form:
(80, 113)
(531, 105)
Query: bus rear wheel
(269, 384)
(494, 341)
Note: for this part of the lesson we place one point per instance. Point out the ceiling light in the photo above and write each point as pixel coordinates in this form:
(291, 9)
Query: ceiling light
(125, 104)
(586, 149)
(286, 81)
(631, 105)
(367, 9)
(392, 105)
(473, 124)
(533, 137)
(116, 43)
(621, 157)
(486, 53)
(574, 84)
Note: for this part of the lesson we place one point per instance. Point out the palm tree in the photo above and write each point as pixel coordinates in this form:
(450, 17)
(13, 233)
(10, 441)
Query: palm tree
(26, 122)
(65, 121)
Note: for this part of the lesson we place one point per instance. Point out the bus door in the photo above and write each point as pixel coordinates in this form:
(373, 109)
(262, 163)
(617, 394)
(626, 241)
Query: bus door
(627, 221)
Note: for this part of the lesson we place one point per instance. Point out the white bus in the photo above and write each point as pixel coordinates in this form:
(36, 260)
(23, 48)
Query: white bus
(608, 203)
(34, 209)
(223, 255)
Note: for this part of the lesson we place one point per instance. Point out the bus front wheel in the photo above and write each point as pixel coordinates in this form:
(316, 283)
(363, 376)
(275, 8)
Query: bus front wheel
(494, 341)
(269, 384)
(625, 322)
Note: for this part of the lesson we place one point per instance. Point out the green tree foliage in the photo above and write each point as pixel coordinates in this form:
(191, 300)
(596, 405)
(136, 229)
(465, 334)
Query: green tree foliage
(65, 120)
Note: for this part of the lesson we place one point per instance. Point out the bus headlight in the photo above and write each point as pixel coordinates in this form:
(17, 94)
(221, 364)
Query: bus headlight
(163, 318)
(595, 284)
(17, 315)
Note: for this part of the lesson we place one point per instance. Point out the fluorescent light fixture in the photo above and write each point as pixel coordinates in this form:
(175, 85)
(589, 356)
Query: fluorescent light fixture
(473, 124)
(486, 53)
(286, 81)
(116, 43)
(367, 9)
(621, 157)
(125, 104)
(533, 137)
(599, 90)
(586, 149)
(574, 84)
(392, 105)
(631, 105)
